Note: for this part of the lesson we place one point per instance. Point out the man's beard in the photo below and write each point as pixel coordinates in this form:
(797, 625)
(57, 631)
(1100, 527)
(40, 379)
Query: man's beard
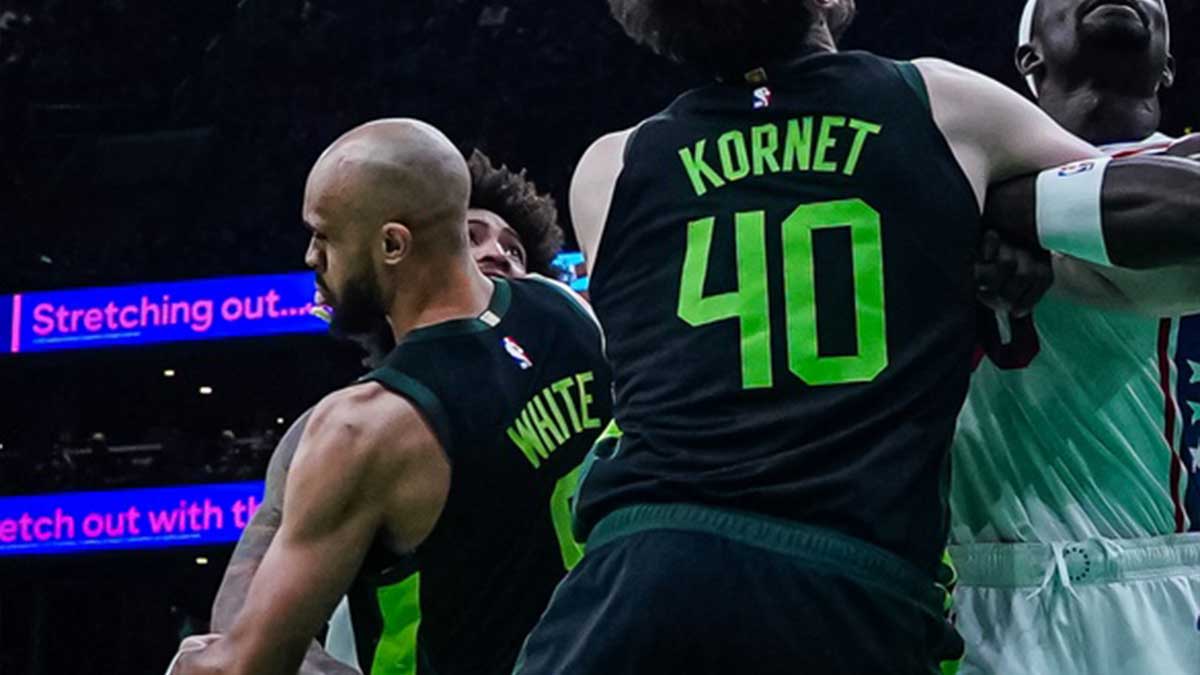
(1114, 34)
(357, 309)
(377, 342)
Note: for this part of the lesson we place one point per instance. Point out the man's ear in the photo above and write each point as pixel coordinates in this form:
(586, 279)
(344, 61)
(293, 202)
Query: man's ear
(396, 243)
(1028, 60)
(1168, 75)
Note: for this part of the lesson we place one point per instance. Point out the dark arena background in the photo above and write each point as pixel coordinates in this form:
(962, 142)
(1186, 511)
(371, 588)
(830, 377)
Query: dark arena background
(148, 142)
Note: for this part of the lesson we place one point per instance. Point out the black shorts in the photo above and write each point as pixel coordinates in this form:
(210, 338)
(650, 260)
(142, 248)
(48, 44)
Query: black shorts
(683, 589)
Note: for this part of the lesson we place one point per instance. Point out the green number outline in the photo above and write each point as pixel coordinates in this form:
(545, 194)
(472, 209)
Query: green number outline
(750, 303)
(799, 283)
(560, 515)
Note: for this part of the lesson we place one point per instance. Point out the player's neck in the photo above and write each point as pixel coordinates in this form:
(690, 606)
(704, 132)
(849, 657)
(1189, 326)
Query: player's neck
(437, 294)
(1102, 116)
(820, 39)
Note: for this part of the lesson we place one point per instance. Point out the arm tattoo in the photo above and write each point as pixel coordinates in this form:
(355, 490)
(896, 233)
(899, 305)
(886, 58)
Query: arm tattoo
(253, 545)
(259, 533)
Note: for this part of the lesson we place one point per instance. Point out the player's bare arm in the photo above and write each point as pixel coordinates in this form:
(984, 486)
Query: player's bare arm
(1166, 292)
(592, 189)
(259, 532)
(1149, 211)
(252, 546)
(367, 463)
(1149, 206)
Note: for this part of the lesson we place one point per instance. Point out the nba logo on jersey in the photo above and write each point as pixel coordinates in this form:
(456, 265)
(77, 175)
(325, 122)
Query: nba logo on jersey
(762, 98)
(517, 353)
(1076, 169)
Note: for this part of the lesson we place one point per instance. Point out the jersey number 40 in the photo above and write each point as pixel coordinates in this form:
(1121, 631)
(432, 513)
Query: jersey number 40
(750, 303)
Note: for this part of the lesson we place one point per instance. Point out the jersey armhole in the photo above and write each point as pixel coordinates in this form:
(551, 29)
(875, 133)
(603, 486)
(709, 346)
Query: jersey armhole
(915, 81)
(912, 77)
(576, 301)
(422, 398)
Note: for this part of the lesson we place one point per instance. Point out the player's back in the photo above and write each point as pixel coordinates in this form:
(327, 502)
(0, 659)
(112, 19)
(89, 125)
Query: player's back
(784, 280)
(516, 397)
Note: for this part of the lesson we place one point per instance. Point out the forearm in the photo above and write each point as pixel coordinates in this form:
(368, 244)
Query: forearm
(236, 583)
(318, 662)
(259, 533)
(231, 595)
(1152, 212)
(1166, 292)
(1149, 212)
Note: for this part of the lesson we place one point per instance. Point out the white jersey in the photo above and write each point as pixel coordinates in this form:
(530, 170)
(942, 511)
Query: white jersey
(1089, 430)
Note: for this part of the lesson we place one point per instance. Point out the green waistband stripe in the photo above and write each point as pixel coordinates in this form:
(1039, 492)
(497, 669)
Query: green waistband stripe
(823, 550)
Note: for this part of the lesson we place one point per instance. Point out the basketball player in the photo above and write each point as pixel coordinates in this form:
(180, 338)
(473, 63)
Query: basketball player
(781, 262)
(1074, 484)
(460, 450)
(513, 229)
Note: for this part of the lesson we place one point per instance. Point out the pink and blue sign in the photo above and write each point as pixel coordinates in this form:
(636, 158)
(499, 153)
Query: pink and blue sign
(136, 519)
(163, 312)
(206, 309)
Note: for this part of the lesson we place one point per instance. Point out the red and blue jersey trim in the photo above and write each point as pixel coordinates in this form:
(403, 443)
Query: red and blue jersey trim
(1184, 397)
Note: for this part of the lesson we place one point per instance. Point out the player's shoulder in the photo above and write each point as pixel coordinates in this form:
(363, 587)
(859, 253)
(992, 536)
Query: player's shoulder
(605, 155)
(556, 294)
(951, 82)
(365, 428)
(941, 67)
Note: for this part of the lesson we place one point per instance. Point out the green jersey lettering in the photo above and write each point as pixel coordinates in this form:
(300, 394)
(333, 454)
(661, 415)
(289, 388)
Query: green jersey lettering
(541, 427)
(551, 435)
(738, 158)
(563, 389)
(734, 161)
(797, 147)
(825, 143)
(799, 281)
(750, 303)
(698, 170)
(523, 435)
(585, 400)
(764, 143)
(864, 129)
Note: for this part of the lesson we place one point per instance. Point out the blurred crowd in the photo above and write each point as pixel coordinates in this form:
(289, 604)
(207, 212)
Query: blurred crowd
(175, 458)
(143, 140)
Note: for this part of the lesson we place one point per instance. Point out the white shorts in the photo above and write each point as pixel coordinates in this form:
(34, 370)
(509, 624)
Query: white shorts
(1101, 607)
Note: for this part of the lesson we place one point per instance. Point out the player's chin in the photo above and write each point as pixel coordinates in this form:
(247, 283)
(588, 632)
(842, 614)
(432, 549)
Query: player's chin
(1120, 33)
(495, 270)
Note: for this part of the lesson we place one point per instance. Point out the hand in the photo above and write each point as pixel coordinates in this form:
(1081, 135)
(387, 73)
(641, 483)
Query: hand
(194, 643)
(1011, 279)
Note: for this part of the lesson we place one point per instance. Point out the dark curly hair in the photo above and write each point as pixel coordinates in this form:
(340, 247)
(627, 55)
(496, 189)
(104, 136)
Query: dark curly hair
(725, 37)
(515, 198)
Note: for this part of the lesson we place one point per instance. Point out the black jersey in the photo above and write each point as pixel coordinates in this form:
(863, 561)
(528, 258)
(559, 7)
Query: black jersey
(516, 398)
(785, 286)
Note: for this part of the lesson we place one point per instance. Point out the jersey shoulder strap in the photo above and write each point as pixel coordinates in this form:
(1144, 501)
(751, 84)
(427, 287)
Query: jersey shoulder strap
(420, 396)
(913, 78)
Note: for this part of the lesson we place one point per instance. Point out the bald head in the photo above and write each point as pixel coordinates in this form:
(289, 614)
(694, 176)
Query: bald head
(387, 205)
(394, 170)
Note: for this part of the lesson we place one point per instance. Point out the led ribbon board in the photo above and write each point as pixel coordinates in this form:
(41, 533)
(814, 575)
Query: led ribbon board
(161, 312)
(207, 309)
(144, 518)
(572, 270)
